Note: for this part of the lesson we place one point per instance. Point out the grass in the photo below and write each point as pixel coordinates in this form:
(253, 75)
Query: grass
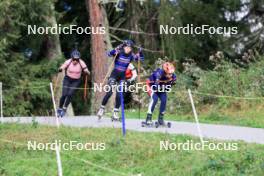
(138, 153)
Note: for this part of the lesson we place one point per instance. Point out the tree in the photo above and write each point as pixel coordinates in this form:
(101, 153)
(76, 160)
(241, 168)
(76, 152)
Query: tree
(201, 12)
(99, 45)
(19, 55)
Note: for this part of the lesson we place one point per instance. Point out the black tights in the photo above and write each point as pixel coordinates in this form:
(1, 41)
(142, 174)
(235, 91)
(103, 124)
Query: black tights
(69, 87)
(115, 79)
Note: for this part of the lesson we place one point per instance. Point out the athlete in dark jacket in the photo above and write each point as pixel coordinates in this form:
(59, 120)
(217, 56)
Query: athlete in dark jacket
(123, 56)
(158, 84)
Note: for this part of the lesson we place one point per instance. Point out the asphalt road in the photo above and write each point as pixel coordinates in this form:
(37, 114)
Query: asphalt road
(209, 131)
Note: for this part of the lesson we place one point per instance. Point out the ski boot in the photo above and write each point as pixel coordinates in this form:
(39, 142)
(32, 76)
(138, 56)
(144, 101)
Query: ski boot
(148, 121)
(59, 111)
(161, 122)
(115, 116)
(63, 112)
(161, 119)
(100, 113)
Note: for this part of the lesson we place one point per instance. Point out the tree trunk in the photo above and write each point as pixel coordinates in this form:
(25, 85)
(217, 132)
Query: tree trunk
(134, 19)
(100, 44)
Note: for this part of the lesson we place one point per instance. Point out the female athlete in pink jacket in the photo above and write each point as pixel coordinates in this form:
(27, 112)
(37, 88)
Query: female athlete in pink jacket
(74, 68)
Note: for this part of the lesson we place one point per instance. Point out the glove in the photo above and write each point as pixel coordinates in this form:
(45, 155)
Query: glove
(87, 72)
(119, 48)
(140, 49)
(140, 53)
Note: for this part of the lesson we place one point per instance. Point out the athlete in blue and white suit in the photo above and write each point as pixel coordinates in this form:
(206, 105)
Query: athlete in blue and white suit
(158, 84)
(123, 56)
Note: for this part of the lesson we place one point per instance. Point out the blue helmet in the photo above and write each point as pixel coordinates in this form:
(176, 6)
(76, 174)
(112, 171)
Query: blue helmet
(128, 43)
(75, 54)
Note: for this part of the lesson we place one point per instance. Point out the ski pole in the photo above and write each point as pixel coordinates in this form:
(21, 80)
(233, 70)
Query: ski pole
(139, 105)
(109, 70)
(122, 111)
(138, 70)
(85, 88)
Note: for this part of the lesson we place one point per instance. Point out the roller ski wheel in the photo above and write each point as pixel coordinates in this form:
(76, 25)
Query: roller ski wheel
(145, 124)
(157, 124)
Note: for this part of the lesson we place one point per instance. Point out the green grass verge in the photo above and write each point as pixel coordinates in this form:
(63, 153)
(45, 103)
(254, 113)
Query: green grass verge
(138, 153)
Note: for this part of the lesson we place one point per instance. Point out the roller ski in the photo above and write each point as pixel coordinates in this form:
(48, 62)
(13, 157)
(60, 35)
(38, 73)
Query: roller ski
(165, 124)
(115, 117)
(162, 123)
(100, 113)
(148, 122)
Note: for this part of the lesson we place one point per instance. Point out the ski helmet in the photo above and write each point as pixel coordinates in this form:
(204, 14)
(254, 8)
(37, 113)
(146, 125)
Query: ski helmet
(129, 43)
(168, 67)
(75, 54)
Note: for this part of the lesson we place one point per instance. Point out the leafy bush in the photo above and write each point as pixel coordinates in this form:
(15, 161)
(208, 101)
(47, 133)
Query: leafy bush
(26, 87)
(233, 81)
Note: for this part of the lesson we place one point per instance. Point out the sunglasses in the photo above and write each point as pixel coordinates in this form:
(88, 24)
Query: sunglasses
(75, 59)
